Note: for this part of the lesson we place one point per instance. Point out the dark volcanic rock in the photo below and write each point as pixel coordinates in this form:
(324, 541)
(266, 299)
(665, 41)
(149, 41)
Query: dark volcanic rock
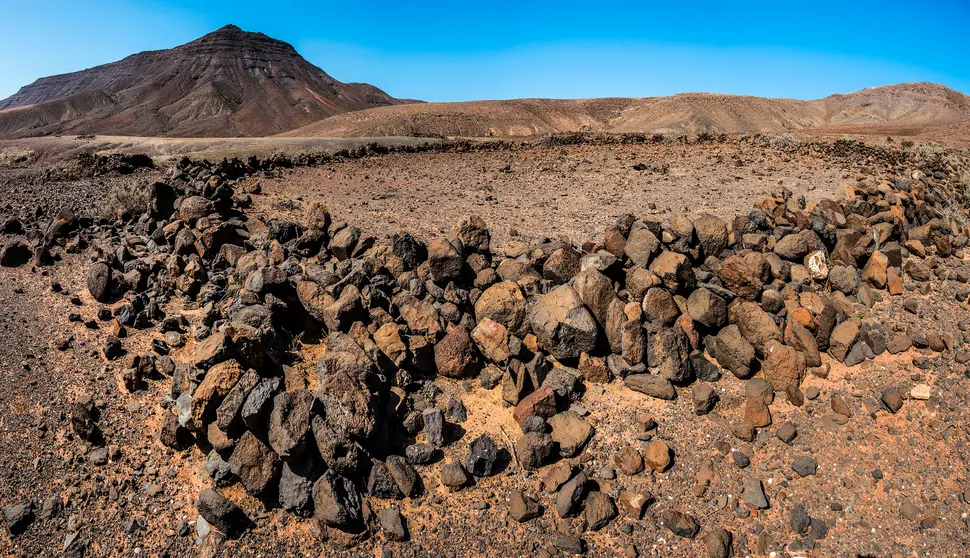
(222, 514)
(482, 457)
(255, 464)
(337, 503)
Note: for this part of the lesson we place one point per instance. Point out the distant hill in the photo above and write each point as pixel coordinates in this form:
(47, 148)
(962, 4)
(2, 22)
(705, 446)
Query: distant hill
(227, 83)
(905, 109)
(235, 83)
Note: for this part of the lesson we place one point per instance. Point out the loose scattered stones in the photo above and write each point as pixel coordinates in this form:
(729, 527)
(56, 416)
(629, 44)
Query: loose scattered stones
(777, 294)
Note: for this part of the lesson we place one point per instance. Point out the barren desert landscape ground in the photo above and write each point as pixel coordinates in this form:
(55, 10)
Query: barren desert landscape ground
(250, 310)
(858, 451)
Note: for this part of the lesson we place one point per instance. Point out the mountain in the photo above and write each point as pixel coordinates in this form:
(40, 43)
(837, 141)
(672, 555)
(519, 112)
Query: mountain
(904, 109)
(227, 83)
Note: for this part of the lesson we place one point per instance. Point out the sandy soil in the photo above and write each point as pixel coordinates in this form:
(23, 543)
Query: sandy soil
(572, 192)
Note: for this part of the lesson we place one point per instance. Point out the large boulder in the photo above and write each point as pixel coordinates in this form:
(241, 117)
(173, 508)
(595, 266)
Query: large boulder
(343, 375)
(712, 234)
(707, 308)
(734, 352)
(756, 325)
(504, 303)
(562, 324)
(337, 503)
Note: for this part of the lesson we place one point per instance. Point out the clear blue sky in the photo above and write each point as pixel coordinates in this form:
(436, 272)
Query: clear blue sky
(453, 51)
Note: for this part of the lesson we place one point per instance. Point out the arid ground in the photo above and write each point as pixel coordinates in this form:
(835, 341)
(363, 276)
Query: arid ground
(886, 484)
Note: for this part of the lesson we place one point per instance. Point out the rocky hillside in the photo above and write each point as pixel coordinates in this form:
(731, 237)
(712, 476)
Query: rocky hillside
(227, 83)
(905, 109)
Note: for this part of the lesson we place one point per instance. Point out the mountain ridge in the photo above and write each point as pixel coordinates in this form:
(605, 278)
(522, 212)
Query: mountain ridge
(231, 83)
(905, 109)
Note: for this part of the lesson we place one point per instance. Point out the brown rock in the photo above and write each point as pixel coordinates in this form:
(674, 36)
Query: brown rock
(802, 340)
(843, 337)
(756, 325)
(640, 246)
(876, 270)
(658, 456)
(561, 265)
(522, 508)
(214, 387)
(634, 503)
(659, 306)
(562, 324)
(541, 402)
(675, 271)
(492, 340)
(596, 292)
(599, 510)
(454, 355)
(628, 460)
(654, 386)
(707, 308)
(712, 234)
(792, 247)
(255, 464)
(894, 284)
(734, 352)
(445, 262)
(570, 431)
(388, 340)
(473, 233)
(741, 279)
(783, 366)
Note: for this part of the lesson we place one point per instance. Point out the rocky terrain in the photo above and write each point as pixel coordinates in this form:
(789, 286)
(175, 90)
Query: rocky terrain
(212, 358)
(228, 83)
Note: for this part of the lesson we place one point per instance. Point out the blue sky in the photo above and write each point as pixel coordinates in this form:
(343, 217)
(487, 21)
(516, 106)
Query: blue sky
(455, 51)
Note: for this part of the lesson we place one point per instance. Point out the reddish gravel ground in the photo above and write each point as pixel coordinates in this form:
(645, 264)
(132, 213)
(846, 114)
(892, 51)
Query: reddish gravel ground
(140, 501)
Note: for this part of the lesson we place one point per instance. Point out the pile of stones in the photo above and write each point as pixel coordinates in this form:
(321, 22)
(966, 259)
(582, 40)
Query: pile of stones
(303, 356)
